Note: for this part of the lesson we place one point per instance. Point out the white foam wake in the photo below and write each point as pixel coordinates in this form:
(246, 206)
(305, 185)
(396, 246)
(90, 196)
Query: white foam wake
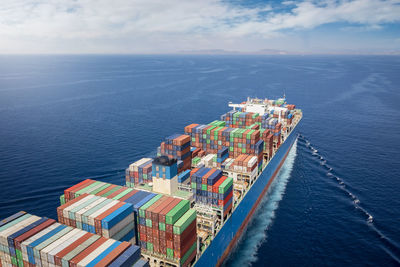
(341, 184)
(256, 233)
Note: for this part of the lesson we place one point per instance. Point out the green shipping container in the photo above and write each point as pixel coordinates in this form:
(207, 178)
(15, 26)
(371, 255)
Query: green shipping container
(142, 210)
(86, 189)
(193, 185)
(209, 130)
(123, 193)
(184, 221)
(204, 187)
(101, 188)
(225, 185)
(170, 253)
(62, 199)
(111, 191)
(177, 212)
(188, 253)
(149, 246)
(161, 226)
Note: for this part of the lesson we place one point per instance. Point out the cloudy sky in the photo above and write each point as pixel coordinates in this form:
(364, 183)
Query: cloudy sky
(171, 26)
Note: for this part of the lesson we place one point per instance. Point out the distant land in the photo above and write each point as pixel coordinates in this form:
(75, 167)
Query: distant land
(282, 52)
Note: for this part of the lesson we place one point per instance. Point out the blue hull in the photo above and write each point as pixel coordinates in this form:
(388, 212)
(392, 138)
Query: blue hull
(234, 227)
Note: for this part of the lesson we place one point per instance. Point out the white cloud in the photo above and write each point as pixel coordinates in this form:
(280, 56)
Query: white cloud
(167, 26)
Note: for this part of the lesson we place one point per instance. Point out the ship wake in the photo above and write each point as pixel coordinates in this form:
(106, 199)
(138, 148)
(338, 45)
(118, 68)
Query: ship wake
(342, 185)
(256, 234)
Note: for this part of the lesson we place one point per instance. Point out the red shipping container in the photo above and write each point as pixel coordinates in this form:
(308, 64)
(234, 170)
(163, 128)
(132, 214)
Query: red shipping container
(98, 219)
(162, 234)
(180, 250)
(68, 193)
(170, 244)
(190, 259)
(102, 192)
(62, 207)
(130, 194)
(68, 249)
(161, 215)
(117, 192)
(87, 251)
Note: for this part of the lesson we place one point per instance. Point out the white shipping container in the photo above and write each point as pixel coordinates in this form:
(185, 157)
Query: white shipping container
(100, 184)
(35, 237)
(15, 228)
(130, 219)
(252, 162)
(66, 243)
(95, 253)
(135, 166)
(100, 211)
(78, 215)
(76, 204)
(44, 252)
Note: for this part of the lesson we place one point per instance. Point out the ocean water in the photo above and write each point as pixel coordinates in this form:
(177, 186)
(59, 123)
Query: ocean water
(336, 201)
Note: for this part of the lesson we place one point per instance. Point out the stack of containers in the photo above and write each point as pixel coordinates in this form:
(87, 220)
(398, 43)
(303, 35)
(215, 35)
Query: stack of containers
(222, 155)
(212, 139)
(139, 172)
(212, 188)
(264, 121)
(218, 123)
(28, 240)
(154, 230)
(196, 161)
(268, 139)
(245, 164)
(277, 133)
(106, 217)
(254, 126)
(88, 187)
(184, 176)
(127, 195)
(178, 146)
(237, 119)
(185, 242)
(225, 193)
(94, 188)
(195, 151)
(228, 164)
(259, 151)
(167, 228)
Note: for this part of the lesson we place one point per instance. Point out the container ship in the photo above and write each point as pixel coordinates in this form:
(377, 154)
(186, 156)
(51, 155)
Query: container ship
(187, 206)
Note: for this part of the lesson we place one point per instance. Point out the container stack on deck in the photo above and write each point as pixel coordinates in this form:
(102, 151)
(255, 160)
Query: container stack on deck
(237, 119)
(211, 188)
(106, 217)
(268, 139)
(184, 176)
(167, 229)
(155, 217)
(139, 172)
(212, 139)
(178, 146)
(28, 240)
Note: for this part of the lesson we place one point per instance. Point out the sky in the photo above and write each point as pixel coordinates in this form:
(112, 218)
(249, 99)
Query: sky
(187, 26)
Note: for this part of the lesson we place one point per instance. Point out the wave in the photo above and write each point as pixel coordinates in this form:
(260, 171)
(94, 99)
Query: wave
(256, 234)
(342, 185)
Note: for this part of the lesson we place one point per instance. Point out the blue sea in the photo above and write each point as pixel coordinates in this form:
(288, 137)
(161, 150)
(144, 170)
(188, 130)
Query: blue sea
(336, 201)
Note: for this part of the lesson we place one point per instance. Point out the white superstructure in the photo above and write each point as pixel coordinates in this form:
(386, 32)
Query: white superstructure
(261, 106)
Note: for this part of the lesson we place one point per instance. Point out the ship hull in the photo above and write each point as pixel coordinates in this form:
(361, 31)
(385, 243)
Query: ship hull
(235, 226)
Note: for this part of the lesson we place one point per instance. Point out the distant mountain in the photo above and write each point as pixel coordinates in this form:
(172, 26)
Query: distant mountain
(283, 52)
(232, 52)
